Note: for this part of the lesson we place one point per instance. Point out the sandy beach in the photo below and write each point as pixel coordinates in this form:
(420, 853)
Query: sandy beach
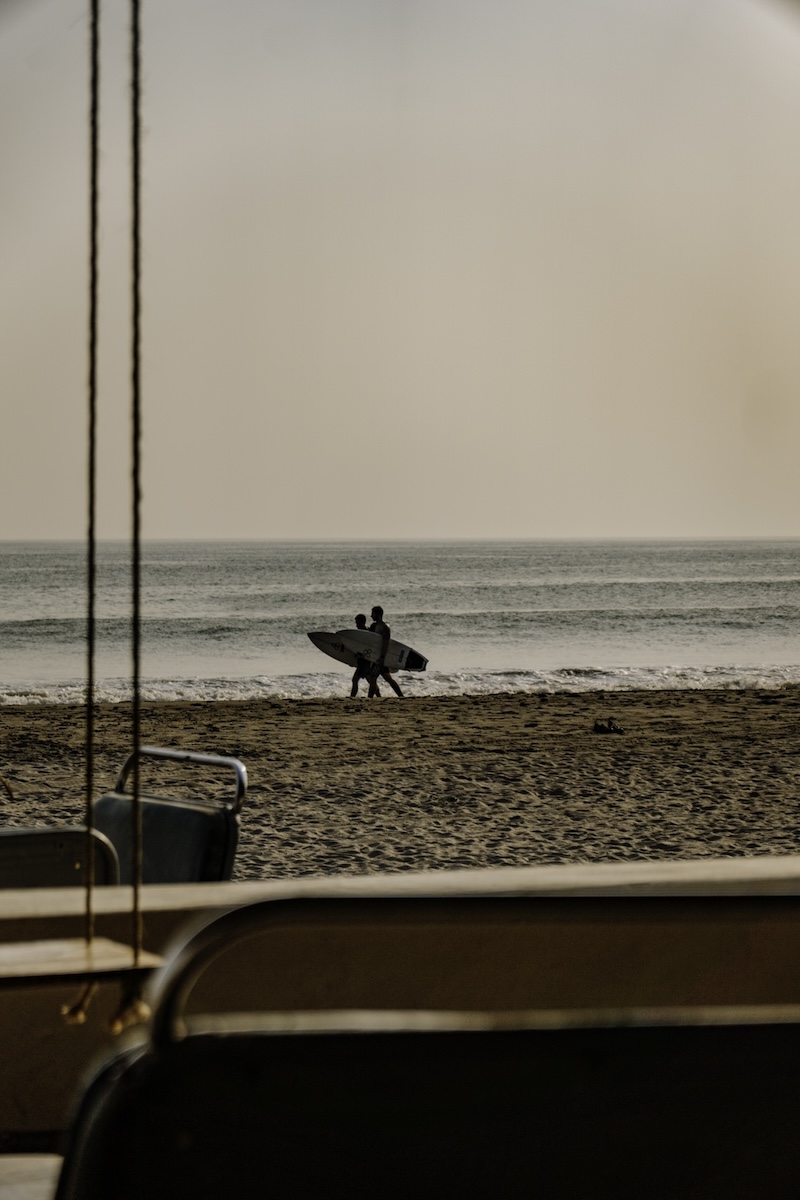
(349, 787)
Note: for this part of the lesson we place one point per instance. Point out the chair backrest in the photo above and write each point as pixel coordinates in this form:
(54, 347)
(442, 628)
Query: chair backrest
(678, 1112)
(184, 840)
(680, 1104)
(54, 856)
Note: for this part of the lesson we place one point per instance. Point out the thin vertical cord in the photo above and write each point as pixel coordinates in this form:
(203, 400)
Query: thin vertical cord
(91, 537)
(136, 432)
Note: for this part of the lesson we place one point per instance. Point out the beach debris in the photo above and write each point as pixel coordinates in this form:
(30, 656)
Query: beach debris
(608, 726)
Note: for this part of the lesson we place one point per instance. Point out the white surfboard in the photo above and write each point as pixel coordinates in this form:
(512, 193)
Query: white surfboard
(348, 645)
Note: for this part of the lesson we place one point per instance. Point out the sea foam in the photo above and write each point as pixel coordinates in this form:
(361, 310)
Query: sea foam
(323, 685)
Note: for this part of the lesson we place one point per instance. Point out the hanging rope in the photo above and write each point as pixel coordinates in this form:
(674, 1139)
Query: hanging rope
(136, 436)
(75, 1014)
(91, 556)
(132, 1008)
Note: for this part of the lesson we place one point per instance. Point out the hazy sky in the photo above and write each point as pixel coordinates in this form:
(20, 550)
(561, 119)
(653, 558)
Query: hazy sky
(445, 268)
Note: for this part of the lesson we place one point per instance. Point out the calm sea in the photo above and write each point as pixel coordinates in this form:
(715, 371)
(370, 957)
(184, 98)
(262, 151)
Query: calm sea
(229, 620)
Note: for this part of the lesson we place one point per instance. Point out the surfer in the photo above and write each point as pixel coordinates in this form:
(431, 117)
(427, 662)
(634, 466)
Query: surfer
(380, 627)
(364, 669)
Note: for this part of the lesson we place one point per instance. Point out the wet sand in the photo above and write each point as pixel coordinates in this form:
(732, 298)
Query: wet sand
(349, 787)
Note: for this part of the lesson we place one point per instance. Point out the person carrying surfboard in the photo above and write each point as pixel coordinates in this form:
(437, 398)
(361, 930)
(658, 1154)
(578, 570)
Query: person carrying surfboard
(380, 627)
(364, 669)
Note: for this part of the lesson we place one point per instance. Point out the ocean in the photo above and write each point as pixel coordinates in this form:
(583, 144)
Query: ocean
(229, 620)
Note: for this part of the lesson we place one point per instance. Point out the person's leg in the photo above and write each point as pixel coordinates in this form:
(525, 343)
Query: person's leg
(354, 685)
(392, 683)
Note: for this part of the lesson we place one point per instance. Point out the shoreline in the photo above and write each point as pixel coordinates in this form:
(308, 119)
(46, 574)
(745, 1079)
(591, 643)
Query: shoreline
(509, 779)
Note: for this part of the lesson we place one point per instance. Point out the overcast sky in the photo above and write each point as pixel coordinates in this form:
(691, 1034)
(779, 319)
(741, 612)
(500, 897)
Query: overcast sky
(412, 268)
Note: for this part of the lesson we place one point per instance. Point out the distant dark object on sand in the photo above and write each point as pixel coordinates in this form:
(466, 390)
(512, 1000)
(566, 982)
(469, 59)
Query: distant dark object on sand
(608, 726)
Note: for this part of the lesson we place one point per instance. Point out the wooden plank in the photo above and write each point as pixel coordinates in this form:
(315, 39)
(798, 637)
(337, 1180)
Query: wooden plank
(68, 959)
(769, 875)
(29, 1176)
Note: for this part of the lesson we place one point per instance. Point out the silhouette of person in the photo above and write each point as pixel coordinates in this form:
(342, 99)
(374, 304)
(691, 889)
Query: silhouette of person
(380, 627)
(364, 668)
